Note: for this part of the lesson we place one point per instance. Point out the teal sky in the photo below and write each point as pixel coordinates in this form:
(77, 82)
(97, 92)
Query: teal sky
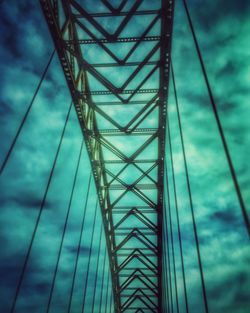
(223, 32)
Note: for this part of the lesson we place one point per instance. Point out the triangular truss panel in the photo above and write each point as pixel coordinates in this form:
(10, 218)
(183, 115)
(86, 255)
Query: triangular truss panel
(115, 56)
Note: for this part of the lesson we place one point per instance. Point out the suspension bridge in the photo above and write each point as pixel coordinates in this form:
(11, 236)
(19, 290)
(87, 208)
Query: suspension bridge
(135, 238)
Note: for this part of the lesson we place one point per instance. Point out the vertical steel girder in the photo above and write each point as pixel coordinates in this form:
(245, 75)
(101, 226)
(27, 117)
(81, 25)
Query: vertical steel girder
(115, 58)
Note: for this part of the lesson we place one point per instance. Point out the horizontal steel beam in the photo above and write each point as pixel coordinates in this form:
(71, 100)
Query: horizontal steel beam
(117, 91)
(123, 64)
(111, 40)
(121, 13)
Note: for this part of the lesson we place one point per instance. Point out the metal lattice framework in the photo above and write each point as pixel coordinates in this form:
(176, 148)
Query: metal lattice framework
(115, 57)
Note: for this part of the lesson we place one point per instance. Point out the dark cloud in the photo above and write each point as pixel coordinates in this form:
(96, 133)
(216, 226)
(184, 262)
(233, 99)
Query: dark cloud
(31, 202)
(226, 217)
(5, 109)
(209, 14)
(73, 250)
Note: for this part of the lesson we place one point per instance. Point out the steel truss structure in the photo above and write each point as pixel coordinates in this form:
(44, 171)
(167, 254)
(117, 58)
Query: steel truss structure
(115, 56)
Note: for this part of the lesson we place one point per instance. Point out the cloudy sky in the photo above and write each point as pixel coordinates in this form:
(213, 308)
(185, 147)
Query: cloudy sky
(223, 32)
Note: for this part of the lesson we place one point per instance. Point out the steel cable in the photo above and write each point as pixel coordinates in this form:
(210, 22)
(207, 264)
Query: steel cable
(172, 245)
(190, 195)
(107, 291)
(64, 230)
(79, 245)
(102, 282)
(89, 259)
(39, 214)
(177, 217)
(97, 270)
(168, 254)
(165, 276)
(111, 300)
(26, 115)
(220, 128)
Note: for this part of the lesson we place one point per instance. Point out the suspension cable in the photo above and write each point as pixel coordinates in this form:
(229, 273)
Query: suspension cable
(111, 300)
(107, 291)
(97, 269)
(64, 229)
(102, 282)
(217, 118)
(163, 289)
(168, 254)
(79, 244)
(167, 267)
(39, 214)
(11, 147)
(165, 275)
(167, 285)
(190, 194)
(172, 245)
(89, 259)
(177, 217)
